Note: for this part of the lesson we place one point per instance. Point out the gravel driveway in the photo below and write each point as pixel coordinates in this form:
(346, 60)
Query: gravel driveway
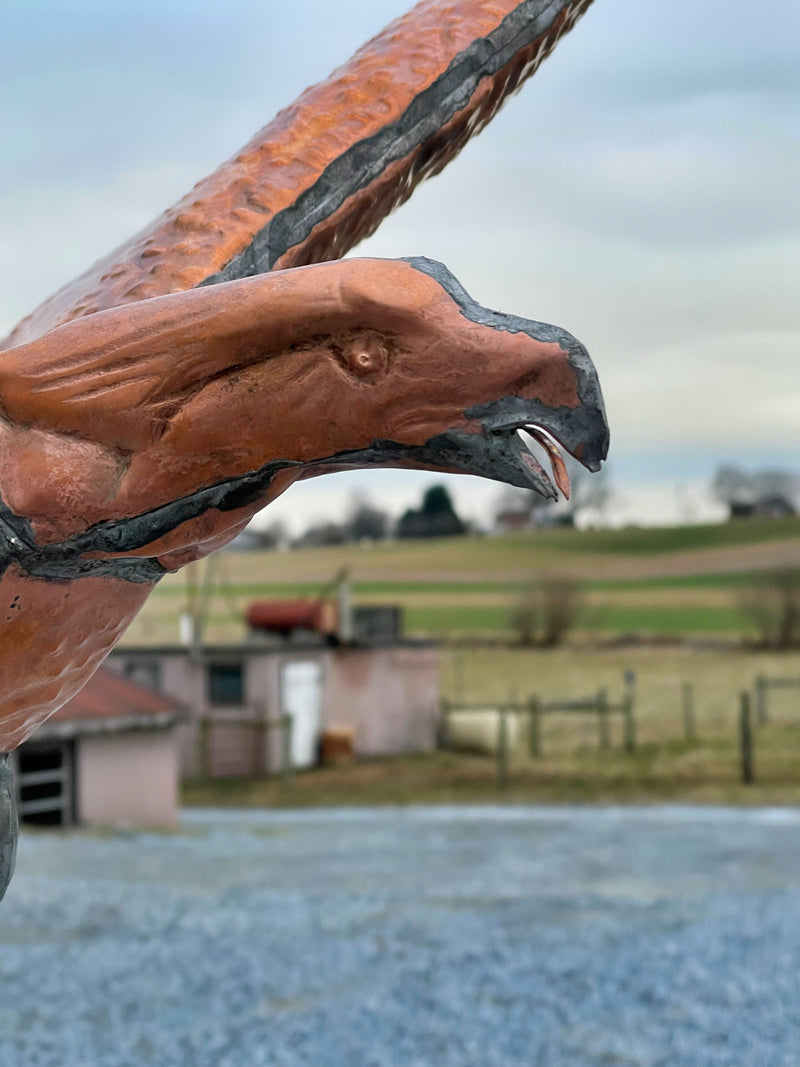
(494, 937)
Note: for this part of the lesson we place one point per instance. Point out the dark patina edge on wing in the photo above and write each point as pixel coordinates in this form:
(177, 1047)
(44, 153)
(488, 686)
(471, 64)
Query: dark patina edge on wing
(365, 161)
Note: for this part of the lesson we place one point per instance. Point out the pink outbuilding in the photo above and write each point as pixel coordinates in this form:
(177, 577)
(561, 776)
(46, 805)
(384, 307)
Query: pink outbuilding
(280, 701)
(107, 757)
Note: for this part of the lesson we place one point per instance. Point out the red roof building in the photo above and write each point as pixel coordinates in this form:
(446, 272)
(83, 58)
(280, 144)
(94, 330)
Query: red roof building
(107, 757)
(110, 703)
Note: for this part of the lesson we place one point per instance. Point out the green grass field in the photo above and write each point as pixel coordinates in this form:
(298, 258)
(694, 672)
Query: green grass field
(684, 581)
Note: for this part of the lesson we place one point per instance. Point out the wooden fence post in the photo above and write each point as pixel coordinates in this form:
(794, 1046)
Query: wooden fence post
(458, 677)
(534, 728)
(746, 737)
(444, 723)
(687, 701)
(260, 747)
(761, 700)
(205, 747)
(629, 724)
(286, 730)
(260, 727)
(502, 748)
(602, 719)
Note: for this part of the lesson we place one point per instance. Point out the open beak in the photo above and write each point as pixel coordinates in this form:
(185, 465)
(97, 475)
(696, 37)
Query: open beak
(508, 455)
(515, 454)
(514, 440)
(518, 439)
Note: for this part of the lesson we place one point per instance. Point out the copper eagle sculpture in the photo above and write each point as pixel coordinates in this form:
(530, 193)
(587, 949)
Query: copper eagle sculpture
(150, 408)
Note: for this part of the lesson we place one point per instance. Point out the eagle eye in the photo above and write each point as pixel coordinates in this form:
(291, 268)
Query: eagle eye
(365, 355)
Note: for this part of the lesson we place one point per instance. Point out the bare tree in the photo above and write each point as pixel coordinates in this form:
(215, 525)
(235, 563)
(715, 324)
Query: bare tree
(366, 522)
(589, 492)
(771, 492)
(732, 485)
(546, 610)
(323, 533)
(275, 535)
(264, 538)
(773, 606)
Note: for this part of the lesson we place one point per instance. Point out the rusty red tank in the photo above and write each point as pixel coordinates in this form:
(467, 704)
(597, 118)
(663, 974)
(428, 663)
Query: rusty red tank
(286, 616)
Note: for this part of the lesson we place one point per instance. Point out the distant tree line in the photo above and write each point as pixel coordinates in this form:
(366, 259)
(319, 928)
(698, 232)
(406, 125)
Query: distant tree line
(769, 493)
(366, 522)
(436, 516)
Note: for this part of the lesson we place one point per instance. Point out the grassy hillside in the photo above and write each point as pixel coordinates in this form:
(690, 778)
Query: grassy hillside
(683, 580)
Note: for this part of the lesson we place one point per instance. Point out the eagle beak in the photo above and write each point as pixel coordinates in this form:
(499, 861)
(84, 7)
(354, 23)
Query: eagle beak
(512, 439)
(518, 437)
(493, 440)
(505, 455)
(496, 445)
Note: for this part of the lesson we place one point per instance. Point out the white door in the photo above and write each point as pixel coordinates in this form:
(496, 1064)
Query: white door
(301, 688)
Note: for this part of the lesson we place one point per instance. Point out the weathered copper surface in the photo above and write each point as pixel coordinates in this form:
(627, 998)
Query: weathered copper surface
(149, 409)
(143, 437)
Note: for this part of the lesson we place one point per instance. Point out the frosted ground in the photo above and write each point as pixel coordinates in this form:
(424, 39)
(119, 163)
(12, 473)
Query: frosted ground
(494, 937)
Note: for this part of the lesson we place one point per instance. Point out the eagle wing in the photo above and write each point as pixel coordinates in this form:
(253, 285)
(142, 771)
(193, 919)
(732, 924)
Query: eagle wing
(324, 173)
(121, 374)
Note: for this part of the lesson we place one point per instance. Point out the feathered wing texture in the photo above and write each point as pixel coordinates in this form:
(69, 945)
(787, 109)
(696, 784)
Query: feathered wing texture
(121, 374)
(325, 172)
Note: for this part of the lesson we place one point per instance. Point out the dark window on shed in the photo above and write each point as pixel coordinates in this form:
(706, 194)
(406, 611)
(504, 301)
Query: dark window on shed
(226, 683)
(144, 672)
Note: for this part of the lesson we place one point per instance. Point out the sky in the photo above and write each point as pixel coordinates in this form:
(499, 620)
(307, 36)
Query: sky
(642, 191)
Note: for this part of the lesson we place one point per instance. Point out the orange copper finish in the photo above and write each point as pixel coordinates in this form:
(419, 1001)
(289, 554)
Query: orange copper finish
(219, 217)
(145, 418)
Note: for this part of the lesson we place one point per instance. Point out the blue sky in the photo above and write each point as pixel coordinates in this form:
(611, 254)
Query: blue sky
(642, 191)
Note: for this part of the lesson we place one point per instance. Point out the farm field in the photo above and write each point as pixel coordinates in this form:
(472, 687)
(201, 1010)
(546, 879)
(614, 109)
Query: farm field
(683, 581)
(662, 604)
(666, 762)
(572, 768)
